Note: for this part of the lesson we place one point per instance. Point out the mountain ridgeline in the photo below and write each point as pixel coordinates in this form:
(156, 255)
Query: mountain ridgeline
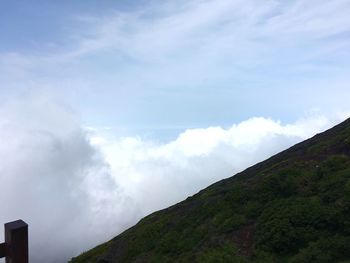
(293, 207)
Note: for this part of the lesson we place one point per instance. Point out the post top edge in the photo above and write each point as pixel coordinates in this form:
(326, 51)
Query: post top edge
(16, 224)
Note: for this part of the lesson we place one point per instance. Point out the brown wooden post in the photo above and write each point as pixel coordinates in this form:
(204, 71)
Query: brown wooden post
(15, 248)
(3, 250)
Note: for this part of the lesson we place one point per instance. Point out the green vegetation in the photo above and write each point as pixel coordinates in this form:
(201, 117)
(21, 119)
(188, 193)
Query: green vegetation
(93, 254)
(294, 207)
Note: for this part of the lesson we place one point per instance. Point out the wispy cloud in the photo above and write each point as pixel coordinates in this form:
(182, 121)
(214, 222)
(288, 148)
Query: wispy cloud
(193, 53)
(199, 26)
(226, 28)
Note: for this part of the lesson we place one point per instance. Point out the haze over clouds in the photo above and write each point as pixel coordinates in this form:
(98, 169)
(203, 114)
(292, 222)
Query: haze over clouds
(110, 111)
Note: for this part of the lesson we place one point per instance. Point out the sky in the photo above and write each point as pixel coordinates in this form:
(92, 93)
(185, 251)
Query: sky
(110, 110)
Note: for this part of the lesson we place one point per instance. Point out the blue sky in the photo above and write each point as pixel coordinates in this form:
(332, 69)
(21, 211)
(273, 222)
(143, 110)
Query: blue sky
(101, 101)
(153, 65)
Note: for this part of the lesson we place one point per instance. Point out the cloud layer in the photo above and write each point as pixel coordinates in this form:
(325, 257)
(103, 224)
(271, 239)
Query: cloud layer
(77, 187)
(157, 175)
(52, 178)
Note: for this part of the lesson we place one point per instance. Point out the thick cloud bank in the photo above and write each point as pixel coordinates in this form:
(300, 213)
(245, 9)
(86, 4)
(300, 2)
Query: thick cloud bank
(158, 175)
(52, 178)
(77, 187)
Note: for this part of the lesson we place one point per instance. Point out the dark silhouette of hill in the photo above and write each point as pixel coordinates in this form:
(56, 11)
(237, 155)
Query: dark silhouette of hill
(293, 207)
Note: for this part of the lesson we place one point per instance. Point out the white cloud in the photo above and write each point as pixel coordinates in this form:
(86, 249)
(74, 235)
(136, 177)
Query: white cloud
(157, 175)
(77, 187)
(313, 19)
(52, 178)
(214, 29)
(161, 30)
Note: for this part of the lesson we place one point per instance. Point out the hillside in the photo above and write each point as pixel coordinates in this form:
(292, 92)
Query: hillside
(293, 207)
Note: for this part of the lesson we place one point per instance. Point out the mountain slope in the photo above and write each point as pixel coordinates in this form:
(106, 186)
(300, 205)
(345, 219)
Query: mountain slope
(293, 207)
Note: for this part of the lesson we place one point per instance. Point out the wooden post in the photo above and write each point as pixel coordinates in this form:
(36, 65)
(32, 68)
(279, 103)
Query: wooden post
(3, 250)
(15, 248)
